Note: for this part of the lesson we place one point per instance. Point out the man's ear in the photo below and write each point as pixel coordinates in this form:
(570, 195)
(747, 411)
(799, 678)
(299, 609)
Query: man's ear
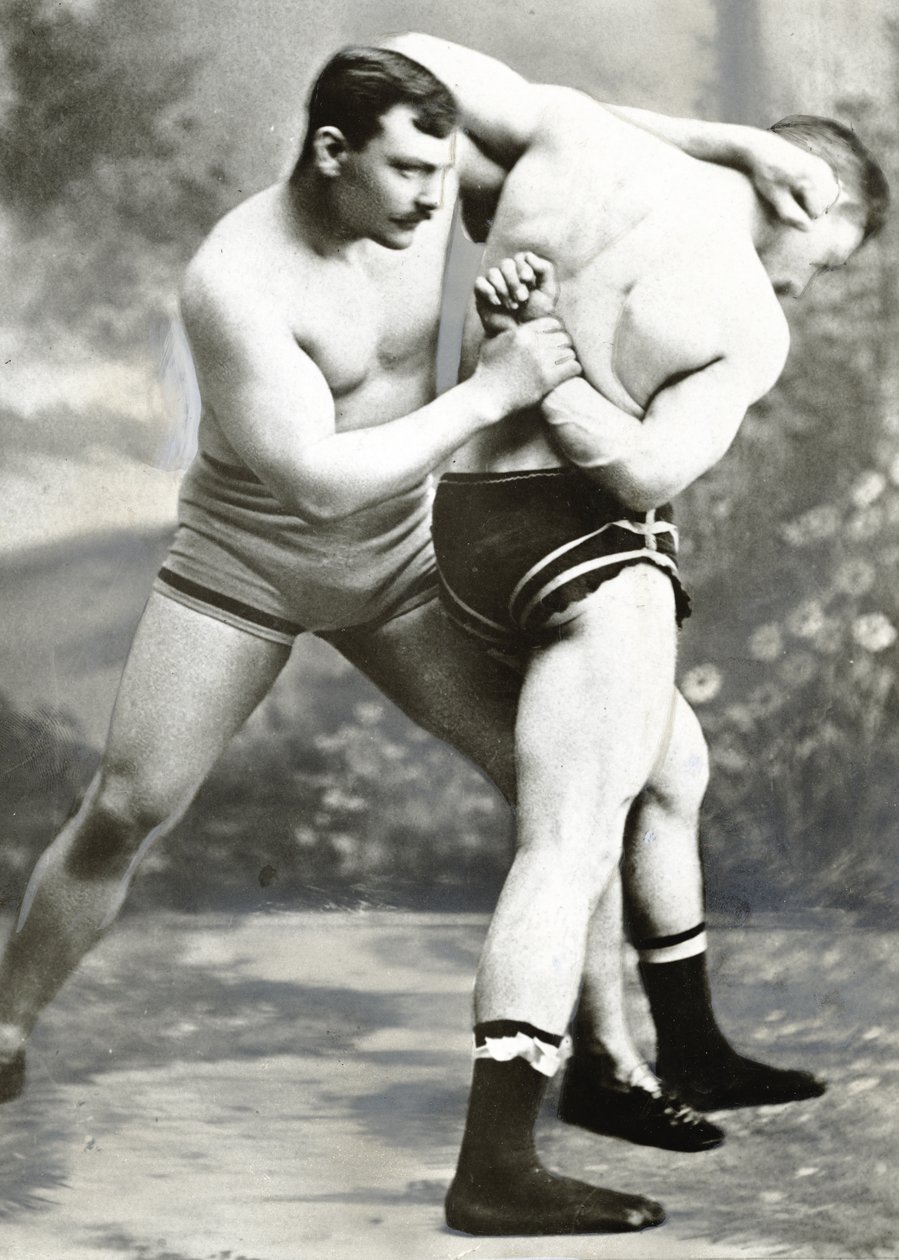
(330, 150)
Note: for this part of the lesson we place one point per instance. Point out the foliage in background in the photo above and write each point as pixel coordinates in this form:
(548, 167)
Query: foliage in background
(791, 547)
(103, 171)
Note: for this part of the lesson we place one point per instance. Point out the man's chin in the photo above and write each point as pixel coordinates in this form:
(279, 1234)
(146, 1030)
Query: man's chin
(398, 235)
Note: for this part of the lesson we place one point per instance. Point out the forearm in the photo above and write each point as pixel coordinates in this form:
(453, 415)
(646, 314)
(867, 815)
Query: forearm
(686, 429)
(631, 458)
(347, 472)
(728, 144)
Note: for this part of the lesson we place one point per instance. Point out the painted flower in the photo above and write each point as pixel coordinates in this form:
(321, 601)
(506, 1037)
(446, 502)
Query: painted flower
(865, 524)
(829, 637)
(798, 669)
(740, 716)
(767, 699)
(813, 526)
(807, 619)
(702, 683)
(874, 632)
(368, 712)
(855, 576)
(766, 642)
(868, 488)
(729, 759)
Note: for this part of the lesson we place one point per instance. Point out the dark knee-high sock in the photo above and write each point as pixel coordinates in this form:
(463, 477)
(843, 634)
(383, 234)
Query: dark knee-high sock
(500, 1185)
(693, 1055)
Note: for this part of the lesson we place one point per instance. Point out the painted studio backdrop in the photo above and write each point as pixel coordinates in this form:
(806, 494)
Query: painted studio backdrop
(125, 131)
(127, 127)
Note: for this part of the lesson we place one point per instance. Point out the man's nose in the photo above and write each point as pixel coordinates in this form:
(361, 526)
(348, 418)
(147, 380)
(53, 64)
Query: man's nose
(430, 191)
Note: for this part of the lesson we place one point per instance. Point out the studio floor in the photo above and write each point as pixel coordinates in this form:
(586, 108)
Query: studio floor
(292, 1087)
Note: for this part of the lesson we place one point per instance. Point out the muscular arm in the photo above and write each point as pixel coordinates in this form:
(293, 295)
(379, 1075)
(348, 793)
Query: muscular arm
(275, 408)
(797, 185)
(503, 114)
(688, 426)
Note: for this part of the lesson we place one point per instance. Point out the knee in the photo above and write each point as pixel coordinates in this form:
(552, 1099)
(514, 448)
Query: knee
(694, 762)
(117, 817)
(679, 785)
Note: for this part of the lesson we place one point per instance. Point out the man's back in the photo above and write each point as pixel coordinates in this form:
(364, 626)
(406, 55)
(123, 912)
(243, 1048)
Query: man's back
(654, 253)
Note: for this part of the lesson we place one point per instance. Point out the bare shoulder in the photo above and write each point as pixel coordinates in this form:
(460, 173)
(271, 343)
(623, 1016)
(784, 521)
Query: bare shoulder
(586, 178)
(237, 272)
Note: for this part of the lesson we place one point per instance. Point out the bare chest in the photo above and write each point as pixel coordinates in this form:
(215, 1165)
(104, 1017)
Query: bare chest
(367, 330)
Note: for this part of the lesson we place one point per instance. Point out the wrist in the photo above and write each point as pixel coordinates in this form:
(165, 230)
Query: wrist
(483, 406)
(743, 147)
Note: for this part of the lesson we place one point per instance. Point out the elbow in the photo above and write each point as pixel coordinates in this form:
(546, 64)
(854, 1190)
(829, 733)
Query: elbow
(644, 494)
(313, 505)
(645, 498)
(316, 511)
(406, 42)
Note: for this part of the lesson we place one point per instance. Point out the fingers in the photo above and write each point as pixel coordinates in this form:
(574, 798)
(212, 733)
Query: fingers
(790, 209)
(555, 339)
(509, 282)
(541, 267)
(547, 324)
(817, 196)
(526, 273)
(486, 291)
(517, 289)
(497, 281)
(569, 370)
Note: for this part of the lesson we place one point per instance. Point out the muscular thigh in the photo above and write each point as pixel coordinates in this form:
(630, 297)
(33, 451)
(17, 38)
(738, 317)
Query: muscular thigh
(189, 683)
(445, 682)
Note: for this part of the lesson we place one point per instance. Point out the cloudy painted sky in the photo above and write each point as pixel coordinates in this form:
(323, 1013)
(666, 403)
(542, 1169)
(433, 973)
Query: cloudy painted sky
(94, 421)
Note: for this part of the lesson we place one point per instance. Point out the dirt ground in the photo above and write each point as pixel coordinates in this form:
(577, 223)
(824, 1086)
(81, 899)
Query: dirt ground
(292, 1087)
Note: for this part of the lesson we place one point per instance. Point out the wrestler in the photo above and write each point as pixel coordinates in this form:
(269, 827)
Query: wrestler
(313, 311)
(670, 288)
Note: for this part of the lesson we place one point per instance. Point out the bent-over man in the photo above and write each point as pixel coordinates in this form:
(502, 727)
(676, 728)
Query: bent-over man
(557, 552)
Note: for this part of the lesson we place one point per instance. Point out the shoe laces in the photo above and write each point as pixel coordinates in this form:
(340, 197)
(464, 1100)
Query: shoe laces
(643, 1078)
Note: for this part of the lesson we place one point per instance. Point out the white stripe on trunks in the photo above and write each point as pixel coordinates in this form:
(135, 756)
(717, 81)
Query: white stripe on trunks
(657, 527)
(589, 566)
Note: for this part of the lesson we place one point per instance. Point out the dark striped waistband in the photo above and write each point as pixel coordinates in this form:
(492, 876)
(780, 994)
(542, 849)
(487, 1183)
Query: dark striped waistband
(215, 599)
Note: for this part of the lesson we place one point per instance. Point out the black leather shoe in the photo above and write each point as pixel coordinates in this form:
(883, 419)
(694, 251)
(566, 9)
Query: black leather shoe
(648, 1116)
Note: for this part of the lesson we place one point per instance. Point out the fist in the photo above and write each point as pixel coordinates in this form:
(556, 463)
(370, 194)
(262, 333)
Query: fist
(521, 365)
(517, 290)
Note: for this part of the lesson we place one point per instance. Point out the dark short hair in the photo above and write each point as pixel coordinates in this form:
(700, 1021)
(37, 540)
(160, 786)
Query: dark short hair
(849, 159)
(358, 86)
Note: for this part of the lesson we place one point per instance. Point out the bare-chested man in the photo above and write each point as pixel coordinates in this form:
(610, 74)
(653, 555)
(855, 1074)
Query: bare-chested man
(557, 552)
(313, 311)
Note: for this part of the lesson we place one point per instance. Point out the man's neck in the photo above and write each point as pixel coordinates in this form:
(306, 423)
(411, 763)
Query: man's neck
(317, 218)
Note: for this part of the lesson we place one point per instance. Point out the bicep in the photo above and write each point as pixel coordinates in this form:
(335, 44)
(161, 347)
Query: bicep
(743, 348)
(695, 419)
(267, 395)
